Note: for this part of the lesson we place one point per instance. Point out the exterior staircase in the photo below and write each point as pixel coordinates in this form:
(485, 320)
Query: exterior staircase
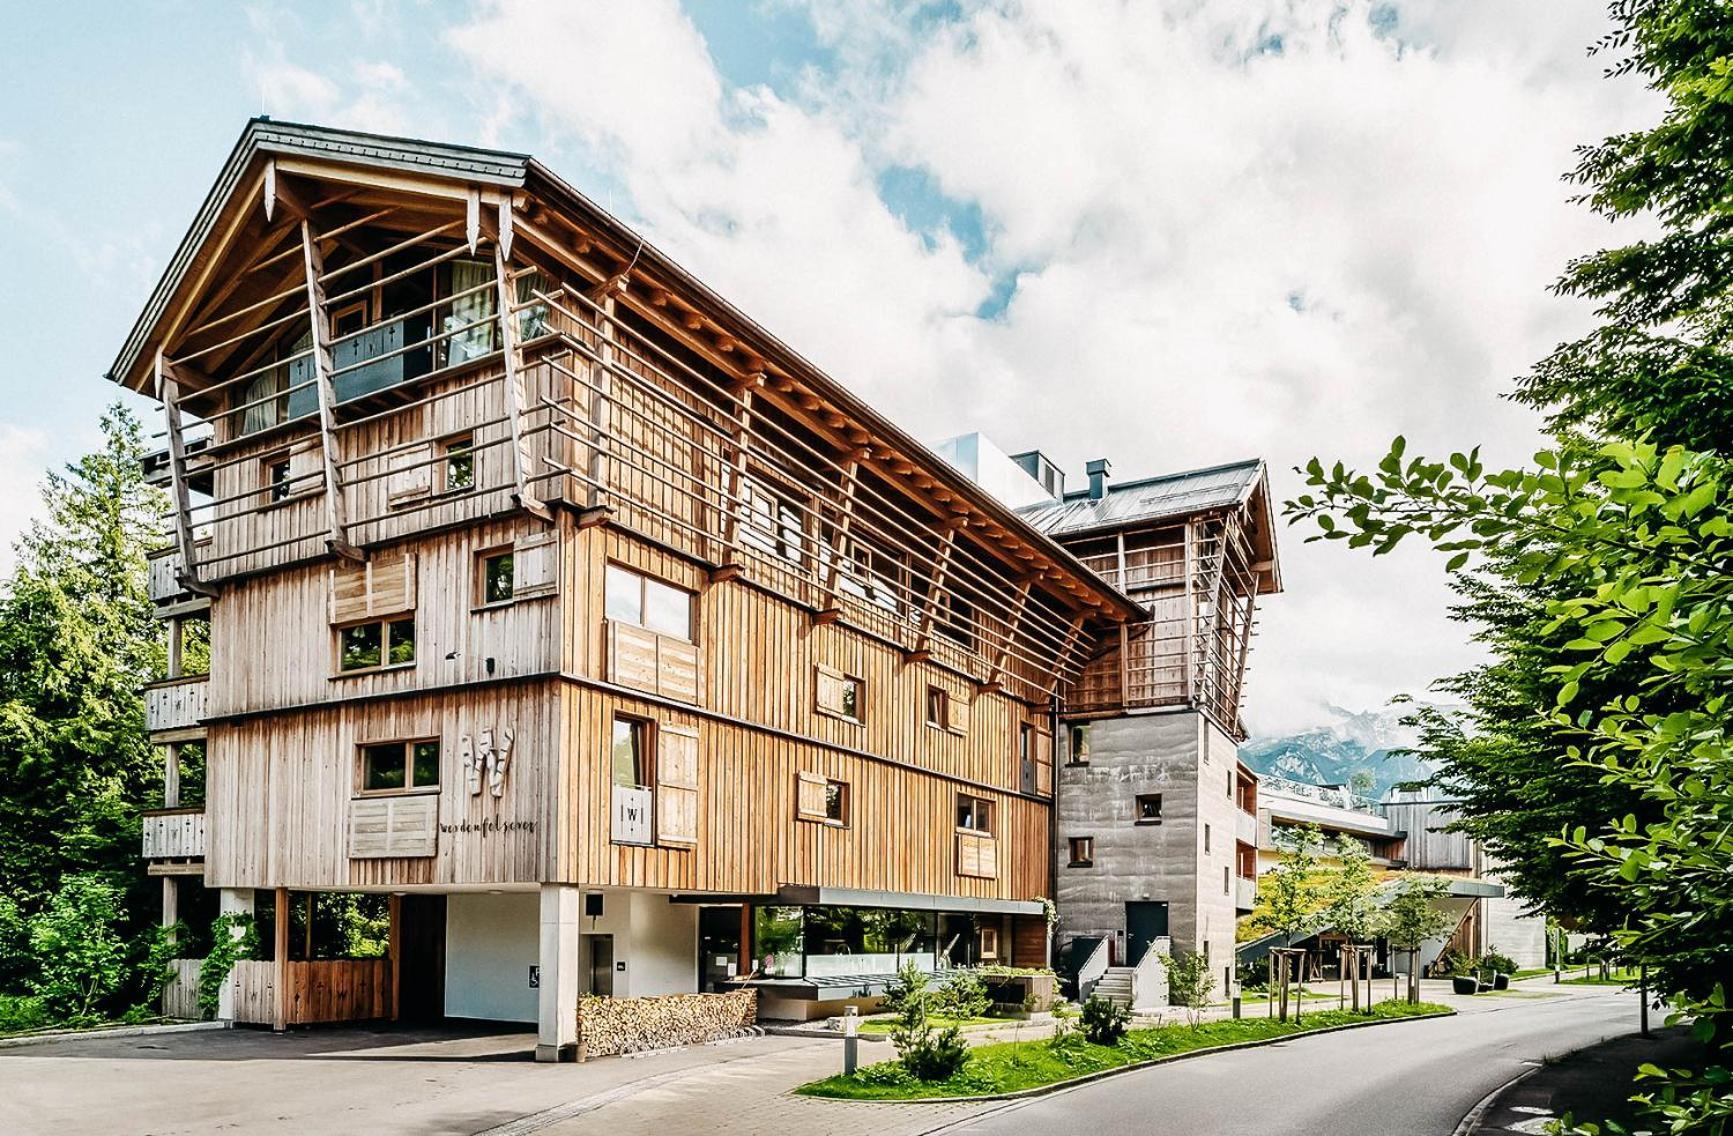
(1115, 986)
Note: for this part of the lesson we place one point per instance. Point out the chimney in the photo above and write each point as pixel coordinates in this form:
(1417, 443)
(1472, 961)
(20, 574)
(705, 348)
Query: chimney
(1098, 471)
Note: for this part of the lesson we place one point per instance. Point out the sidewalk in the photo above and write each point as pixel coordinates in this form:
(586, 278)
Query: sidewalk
(1592, 1084)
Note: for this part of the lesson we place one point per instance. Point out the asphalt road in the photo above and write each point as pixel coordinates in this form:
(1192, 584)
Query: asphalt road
(1406, 1079)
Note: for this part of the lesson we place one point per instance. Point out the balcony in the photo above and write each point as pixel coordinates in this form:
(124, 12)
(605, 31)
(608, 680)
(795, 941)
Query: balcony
(164, 570)
(173, 834)
(1246, 827)
(176, 705)
(1245, 894)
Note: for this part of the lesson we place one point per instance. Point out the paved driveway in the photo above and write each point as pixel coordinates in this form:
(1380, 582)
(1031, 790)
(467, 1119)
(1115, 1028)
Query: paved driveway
(383, 1082)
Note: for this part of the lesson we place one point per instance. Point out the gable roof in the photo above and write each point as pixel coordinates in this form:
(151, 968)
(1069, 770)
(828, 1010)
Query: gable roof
(1151, 499)
(500, 170)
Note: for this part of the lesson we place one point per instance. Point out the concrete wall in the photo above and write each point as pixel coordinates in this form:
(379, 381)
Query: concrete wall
(1217, 808)
(1507, 928)
(1150, 753)
(491, 942)
(657, 940)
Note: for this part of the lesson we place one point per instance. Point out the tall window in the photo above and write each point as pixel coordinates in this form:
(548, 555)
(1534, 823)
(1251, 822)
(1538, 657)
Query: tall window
(632, 597)
(975, 814)
(630, 753)
(938, 707)
(1206, 838)
(389, 767)
(469, 316)
(277, 478)
(1079, 747)
(496, 576)
(459, 465)
(377, 645)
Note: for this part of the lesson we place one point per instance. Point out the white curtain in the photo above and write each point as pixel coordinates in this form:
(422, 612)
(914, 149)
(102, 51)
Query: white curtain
(478, 305)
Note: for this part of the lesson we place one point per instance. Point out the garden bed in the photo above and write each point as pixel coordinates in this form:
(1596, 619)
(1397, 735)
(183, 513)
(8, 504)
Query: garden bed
(882, 1025)
(1005, 1068)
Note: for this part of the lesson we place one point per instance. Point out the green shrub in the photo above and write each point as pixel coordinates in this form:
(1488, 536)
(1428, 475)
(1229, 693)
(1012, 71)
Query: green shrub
(963, 996)
(1190, 982)
(1067, 1040)
(21, 1012)
(1498, 963)
(928, 1054)
(1104, 1022)
(234, 936)
(81, 959)
(911, 982)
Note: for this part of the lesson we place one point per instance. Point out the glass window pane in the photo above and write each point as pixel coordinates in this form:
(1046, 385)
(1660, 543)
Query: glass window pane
(777, 939)
(965, 812)
(624, 599)
(383, 766)
(834, 793)
(402, 641)
(426, 764)
(459, 464)
(361, 647)
(628, 751)
(497, 578)
(667, 610)
(851, 697)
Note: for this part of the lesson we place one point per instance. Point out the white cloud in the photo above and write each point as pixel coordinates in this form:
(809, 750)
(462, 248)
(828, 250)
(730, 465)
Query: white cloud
(1276, 229)
(23, 452)
(374, 95)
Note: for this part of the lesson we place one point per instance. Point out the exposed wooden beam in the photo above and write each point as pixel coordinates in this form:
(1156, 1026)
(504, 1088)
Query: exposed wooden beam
(168, 390)
(336, 511)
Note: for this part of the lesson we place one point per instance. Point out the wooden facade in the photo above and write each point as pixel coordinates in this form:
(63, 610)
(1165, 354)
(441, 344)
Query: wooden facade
(530, 563)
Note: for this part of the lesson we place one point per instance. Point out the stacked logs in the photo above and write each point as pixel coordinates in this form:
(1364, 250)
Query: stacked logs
(628, 1025)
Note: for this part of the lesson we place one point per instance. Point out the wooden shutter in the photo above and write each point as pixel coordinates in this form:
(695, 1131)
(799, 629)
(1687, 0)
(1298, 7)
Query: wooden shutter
(676, 784)
(536, 565)
(957, 720)
(632, 656)
(810, 791)
(408, 476)
(383, 586)
(828, 686)
(977, 855)
(381, 827)
(306, 469)
(1043, 763)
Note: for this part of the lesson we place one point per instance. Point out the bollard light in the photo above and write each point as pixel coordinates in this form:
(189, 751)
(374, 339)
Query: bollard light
(850, 1040)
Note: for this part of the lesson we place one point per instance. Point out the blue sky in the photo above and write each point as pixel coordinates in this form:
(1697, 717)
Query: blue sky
(1169, 233)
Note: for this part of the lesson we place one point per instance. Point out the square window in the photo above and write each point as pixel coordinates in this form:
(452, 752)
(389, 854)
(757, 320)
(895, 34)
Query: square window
(1082, 851)
(938, 707)
(975, 814)
(361, 646)
(496, 577)
(667, 610)
(459, 463)
(382, 768)
(624, 596)
(1149, 808)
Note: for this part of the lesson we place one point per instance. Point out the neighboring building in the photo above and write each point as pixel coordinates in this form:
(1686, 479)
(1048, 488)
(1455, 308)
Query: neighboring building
(1405, 832)
(588, 639)
(1155, 828)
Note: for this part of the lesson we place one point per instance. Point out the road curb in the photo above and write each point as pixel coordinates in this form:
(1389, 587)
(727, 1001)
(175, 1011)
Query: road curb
(116, 1031)
(1102, 1074)
(1478, 1113)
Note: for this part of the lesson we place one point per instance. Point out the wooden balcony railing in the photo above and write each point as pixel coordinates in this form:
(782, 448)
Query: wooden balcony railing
(173, 834)
(176, 704)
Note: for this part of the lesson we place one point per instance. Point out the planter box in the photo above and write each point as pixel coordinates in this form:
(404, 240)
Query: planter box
(1501, 982)
(1012, 991)
(1465, 984)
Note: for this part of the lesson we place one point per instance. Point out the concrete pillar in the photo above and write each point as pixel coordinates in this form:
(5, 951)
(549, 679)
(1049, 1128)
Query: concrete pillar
(238, 901)
(557, 1017)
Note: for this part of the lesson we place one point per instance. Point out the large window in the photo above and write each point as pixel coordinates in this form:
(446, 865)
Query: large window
(975, 814)
(377, 645)
(632, 597)
(391, 767)
(777, 934)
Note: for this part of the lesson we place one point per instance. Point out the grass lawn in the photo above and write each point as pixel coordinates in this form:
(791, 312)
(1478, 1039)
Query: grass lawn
(1531, 972)
(1006, 1067)
(882, 1027)
(1618, 978)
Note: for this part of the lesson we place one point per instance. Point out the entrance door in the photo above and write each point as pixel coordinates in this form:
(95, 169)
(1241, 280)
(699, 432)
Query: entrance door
(1145, 922)
(718, 947)
(421, 971)
(601, 951)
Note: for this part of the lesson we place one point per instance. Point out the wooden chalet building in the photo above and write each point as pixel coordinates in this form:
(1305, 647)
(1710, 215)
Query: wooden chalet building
(591, 636)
